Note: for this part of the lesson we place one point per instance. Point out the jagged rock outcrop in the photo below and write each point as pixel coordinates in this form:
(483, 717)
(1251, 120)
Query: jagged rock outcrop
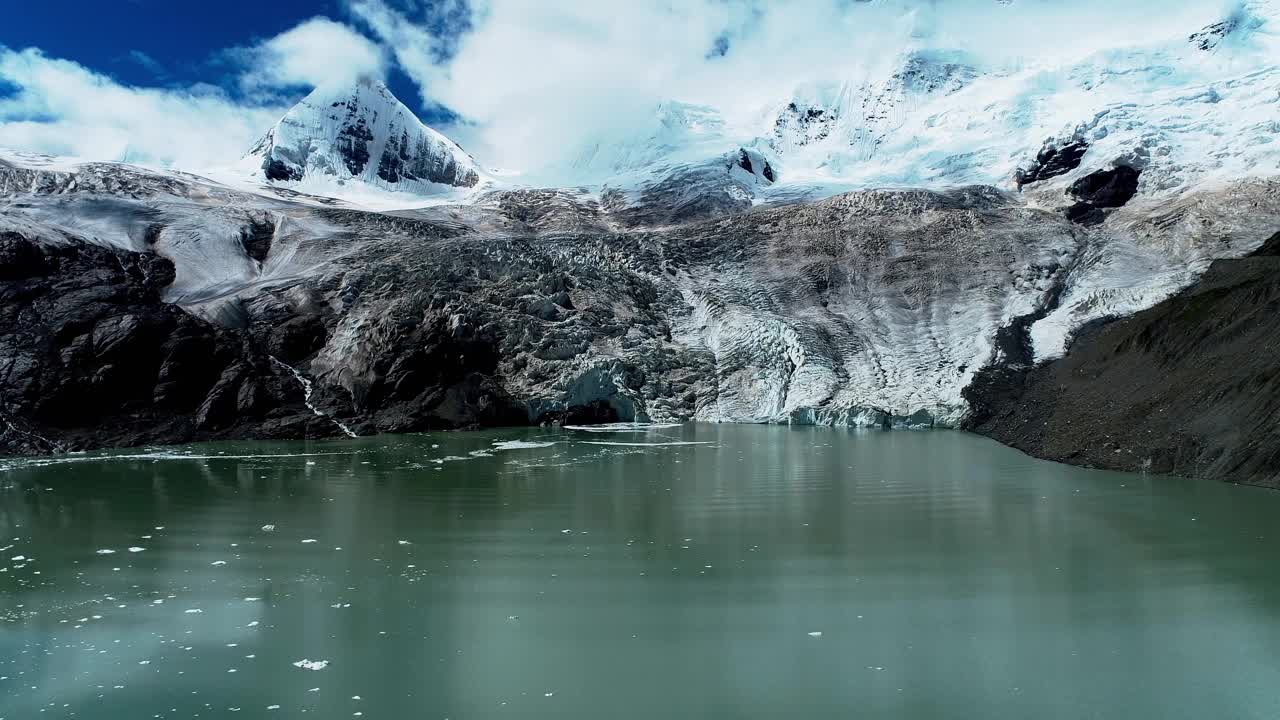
(1052, 161)
(1101, 190)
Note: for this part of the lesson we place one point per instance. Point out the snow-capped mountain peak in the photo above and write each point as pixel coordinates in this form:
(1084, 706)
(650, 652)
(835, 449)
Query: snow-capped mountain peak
(361, 132)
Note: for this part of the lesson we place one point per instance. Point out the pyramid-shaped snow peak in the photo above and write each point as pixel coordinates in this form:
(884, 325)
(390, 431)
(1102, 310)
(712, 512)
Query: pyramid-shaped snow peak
(364, 133)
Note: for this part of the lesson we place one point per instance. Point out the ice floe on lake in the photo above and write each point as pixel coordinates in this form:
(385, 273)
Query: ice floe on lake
(622, 427)
(520, 444)
(645, 444)
(155, 456)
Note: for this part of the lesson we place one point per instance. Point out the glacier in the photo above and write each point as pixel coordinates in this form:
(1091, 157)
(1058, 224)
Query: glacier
(854, 254)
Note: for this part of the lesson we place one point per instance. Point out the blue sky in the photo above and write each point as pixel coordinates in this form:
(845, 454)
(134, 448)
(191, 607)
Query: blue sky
(164, 43)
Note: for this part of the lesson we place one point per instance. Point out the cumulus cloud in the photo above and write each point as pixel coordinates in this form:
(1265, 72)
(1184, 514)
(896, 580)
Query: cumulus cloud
(315, 52)
(539, 80)
(62, 108)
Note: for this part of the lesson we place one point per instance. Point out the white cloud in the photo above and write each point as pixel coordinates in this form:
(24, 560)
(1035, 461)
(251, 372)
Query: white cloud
(63, 108)
(146, 61)
(315, 52)
(539, 80)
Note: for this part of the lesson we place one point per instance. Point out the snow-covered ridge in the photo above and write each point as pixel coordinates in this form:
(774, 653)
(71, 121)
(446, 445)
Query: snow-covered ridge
(1198, 106)
(360, 133)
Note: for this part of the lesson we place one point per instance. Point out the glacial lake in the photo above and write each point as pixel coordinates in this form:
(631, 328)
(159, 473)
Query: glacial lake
(697, 571)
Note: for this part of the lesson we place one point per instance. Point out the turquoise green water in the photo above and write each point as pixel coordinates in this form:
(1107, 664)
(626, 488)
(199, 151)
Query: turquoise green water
(763, 572)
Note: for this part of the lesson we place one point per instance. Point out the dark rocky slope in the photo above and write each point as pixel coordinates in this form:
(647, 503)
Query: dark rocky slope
(90, 356)
(1188, 387)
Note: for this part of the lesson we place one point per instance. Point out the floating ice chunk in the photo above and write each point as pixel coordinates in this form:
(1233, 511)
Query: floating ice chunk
(253, 624)
(193, 611)
(622, 427)
(403, 542)
(268, 528)
(106, 551)
(309, 540)
(816, 633)
(645, 444)
(306, 664)
(548, 694)
(217, 563)
(566, 531)
(273, 707)
(136, 549)
(520, 445)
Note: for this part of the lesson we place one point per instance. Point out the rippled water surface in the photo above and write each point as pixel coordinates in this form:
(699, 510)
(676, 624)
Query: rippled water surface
(696, 571)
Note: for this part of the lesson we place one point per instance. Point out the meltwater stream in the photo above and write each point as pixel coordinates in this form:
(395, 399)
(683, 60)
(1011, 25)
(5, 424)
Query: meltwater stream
(677, 572)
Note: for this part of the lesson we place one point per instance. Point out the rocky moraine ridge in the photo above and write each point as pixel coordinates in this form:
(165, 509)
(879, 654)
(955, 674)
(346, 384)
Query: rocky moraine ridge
(144, 307)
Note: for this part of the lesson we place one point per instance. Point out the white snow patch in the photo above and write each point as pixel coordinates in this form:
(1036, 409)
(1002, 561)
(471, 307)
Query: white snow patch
(646, 444)
(520, 445)
(622, 427)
